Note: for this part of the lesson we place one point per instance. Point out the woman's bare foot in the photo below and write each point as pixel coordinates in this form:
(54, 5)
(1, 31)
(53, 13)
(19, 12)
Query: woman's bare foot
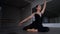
(32, 30)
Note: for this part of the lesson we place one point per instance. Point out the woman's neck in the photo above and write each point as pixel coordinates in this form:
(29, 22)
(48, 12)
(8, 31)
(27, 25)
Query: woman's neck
(38, 10)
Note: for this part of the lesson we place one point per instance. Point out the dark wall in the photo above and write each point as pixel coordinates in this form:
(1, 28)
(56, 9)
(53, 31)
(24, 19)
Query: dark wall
(11, 16)
(0, 17)
(53, 8)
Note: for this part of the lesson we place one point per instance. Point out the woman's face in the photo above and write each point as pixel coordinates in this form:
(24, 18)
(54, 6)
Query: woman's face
(38, 7)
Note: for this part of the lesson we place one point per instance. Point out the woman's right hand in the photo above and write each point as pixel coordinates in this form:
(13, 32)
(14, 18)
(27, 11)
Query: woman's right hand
(20, 24)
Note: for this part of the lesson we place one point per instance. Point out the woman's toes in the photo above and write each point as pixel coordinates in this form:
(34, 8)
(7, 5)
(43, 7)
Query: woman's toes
(32, 30)
(28, 30)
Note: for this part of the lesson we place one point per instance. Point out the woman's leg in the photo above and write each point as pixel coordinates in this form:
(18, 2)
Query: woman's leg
(29, 29)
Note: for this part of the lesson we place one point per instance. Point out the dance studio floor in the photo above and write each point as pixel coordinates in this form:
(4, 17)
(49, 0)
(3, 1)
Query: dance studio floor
(13, 29)
(52, 31)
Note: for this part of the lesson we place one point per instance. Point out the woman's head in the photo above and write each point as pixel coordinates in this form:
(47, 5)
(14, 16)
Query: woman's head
(38, 7)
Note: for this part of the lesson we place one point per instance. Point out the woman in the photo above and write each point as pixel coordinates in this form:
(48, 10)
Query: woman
(36, 26)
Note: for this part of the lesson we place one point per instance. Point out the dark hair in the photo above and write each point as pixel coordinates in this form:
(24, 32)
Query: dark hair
(34, 9)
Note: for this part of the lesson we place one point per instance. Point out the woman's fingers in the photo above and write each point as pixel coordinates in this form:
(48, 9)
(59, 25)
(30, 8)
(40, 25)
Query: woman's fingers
(20, 24)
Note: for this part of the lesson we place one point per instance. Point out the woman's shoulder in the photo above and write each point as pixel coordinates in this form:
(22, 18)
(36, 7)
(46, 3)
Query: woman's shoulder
(34, 13)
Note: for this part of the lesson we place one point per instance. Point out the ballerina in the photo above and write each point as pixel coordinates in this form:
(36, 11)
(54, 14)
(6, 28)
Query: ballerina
(36, 25)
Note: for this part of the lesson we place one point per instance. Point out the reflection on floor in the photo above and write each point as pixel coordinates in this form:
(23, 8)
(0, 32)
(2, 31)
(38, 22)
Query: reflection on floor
(52, 31)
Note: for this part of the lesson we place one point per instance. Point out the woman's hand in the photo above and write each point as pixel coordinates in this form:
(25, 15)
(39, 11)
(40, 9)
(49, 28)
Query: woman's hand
(20, 24)
(44, 0)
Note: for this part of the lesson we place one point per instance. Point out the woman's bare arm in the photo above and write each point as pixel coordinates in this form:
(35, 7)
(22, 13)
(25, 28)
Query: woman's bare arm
(44, 7)
(27, 18)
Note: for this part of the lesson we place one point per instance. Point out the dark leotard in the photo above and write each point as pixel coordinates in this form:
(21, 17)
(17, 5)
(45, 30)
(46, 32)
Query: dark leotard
(37, 24)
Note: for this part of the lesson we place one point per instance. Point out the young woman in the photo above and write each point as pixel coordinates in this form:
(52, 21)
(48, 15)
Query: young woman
(36, 25)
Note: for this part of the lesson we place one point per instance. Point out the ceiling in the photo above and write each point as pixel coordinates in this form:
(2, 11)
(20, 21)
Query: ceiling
(53, 7)
(14, 3)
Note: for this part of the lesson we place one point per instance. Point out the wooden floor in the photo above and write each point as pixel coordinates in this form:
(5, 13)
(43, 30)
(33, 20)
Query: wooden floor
(20, 31)
(52, 31)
